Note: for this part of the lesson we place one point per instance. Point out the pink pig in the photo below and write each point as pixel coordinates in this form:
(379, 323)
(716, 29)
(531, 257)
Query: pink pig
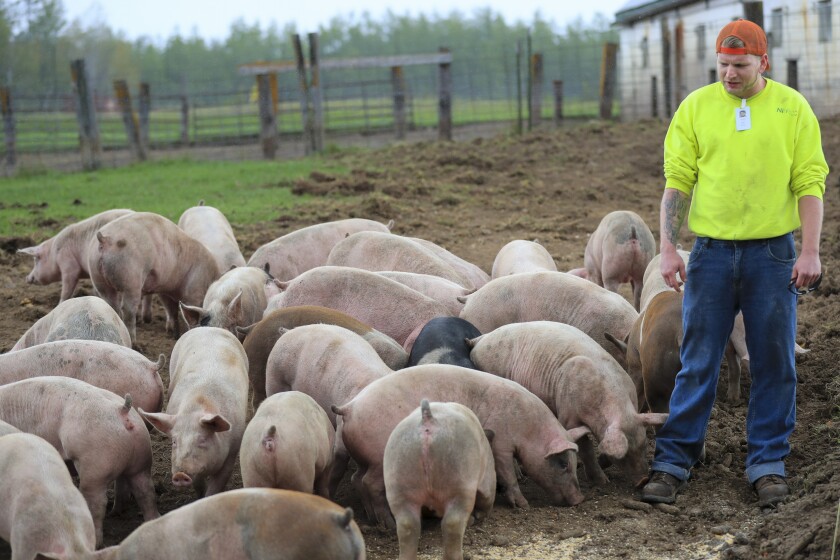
(438, 457)
(209, 226)
(81, 318)
(439, 289)
(245, 524)
(41, 511)
(522, 256)
(524, 428)
(552, 296)
(288, 444)
(619, 251)
(208, 403)
(105, 365)
(145, 253)
(579, 381)
(100, 432)
(65, 256)
(304, 249)
(329, 363)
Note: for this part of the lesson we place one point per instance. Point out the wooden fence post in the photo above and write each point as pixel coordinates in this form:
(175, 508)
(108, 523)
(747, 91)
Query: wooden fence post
(608, 76)
(558, 102)
(444, 99)
(185, 121)
(398, 86)
(144, 107)
(535, 101)
(667, 91)
(91, 149)
(315, 95)
(8, 125)
(304, 95)
(268, 123)
(519, 86)
(654, 98)
(129, 120)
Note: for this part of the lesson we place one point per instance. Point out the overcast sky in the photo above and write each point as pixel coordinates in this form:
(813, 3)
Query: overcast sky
(211, 19)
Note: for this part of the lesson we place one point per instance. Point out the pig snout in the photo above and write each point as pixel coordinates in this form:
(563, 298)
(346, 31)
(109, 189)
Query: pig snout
(573, 497)
(181, 479)
(30, 278)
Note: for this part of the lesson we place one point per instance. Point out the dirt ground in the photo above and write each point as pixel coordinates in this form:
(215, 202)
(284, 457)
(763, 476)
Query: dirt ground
(554, 186)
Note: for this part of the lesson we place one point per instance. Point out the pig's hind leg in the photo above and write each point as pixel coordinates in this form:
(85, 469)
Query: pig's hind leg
(407, 518)
(452, 526)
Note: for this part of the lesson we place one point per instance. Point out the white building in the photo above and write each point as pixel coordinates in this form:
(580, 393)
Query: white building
(667, 49)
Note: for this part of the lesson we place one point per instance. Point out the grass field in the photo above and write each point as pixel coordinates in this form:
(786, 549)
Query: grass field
(38, 205)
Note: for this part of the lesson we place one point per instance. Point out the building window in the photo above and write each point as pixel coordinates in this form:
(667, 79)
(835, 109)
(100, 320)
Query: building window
(645, 55)
(824, 16)
(701, 42)
(776, 28)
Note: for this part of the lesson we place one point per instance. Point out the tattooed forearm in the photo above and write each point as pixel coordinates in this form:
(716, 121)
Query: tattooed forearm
(672, 215)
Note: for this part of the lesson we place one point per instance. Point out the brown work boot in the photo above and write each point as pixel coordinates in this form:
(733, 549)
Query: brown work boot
(662, 488)
(771, 490)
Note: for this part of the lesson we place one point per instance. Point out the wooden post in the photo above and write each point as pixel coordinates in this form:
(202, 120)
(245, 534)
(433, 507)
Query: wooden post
(315, 95)
(444, 99)
(528, 77)
(679, 57)
(304, 95)
(519, 86)
(535, 100)
(667, 92)
(754, 11)
(91, 149)
(185, 121)
(132, 130)
(8, 125)
(144, 107)
(558, 102)
(654, 98)
(608, 65)
(268, 124)
(398, 85)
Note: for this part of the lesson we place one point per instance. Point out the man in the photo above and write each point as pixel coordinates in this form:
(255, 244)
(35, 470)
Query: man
(745, 154)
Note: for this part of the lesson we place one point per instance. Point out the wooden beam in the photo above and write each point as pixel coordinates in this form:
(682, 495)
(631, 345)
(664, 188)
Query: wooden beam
(360, 62)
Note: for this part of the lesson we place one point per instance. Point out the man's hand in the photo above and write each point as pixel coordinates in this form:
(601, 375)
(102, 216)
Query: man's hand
(672, 267)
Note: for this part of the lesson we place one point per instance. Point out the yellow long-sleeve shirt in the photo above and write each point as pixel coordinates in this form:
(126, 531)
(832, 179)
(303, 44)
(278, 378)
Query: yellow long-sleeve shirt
(745, 184)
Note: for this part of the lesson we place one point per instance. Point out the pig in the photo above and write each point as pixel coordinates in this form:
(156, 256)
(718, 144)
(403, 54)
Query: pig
(377, 251)
(522, 424)
(64, 257)
(208, 403)
(145, 253)
(521, 255)
(41, 510)
(443, 341)
(579, 381)
(288, 444)
(99, 432)
(619, 251)
(579, 272)
(438, 457)
(552, 296)
(81, 318)
(237, 299)
(474, 274)
(439, 289)
(209, 226)
(245, 524)
(105, 365)
(385, 305)
(304, 249)
(260, 339)
(329, 363)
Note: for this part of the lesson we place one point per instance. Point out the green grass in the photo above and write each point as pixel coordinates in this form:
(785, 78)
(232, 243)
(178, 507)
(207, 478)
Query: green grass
(39, 203)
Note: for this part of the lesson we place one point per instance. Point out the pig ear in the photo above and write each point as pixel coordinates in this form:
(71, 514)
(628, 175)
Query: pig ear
(490, 434)
(245, 331)
(235, 305)
(192, 315)
(160, 420)
(31, 251)
(620, 344)
(653, 418)
(215, 422)
(614, 444)
(577, 433)
(282, 330)
(560, 445)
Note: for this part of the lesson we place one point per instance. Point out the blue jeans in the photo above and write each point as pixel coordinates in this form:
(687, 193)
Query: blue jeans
(724, 277)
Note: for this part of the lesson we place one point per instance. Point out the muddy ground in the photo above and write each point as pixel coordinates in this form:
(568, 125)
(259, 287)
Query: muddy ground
(554, 186)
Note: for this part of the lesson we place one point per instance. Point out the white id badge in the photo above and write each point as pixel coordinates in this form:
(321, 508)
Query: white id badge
(742, 116)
